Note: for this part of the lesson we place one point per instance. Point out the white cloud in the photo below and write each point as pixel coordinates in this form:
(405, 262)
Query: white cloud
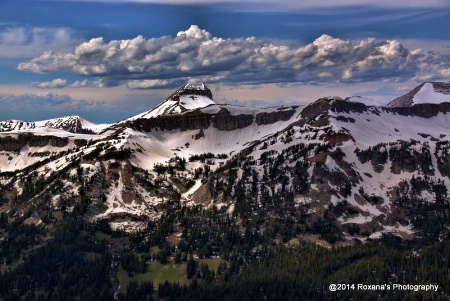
(81, 84)
(60, 83)
(195, 53)
(54, 84)
(23, 42)
(96, 83)
(13, 36)
(147, 84)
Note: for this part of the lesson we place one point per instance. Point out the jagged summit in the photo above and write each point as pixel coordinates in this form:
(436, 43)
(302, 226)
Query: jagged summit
(429, 92)
(188, 97)
(191, 90)
(200, 86)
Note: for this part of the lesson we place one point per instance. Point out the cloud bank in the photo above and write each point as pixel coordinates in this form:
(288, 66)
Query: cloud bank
(59, 83)
(25, 42)
(40, 106)
(44, 101)
(54, 84)
(142, 63)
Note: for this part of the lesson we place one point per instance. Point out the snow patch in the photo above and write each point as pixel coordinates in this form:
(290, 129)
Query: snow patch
(427, 94)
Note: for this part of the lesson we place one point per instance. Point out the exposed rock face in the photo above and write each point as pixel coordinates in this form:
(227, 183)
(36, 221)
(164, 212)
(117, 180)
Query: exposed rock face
(224, 121)
(80, 142)
(74, 126)
(199, 135)
(197, 120)
(39, 141)
(443, 88)
(182, 110)
(342, 106)
(272, 117)
(191, 89)
(316, 108)
(189, 121)
(10, 125)
(11, 144)
(337, 105)
(407, 99)
(425, 110)
(16, 144)
(322, 106)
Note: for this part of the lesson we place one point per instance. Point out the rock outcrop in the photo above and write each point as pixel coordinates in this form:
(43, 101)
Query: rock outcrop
(12, 144)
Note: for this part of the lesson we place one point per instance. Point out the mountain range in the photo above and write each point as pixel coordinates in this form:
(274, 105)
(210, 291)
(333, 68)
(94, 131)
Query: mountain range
(356, 168)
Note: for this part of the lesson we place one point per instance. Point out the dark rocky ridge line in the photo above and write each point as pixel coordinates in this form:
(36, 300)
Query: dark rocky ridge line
(424, 110)
(322, 106)
(16, 144)
(225, 121)
(442, 87)
(407, 99)
(197, 120)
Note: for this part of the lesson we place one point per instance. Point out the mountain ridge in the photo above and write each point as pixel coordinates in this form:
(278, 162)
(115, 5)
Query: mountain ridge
(73, 124)
(428, 92)
(334, 158)
(187, 97)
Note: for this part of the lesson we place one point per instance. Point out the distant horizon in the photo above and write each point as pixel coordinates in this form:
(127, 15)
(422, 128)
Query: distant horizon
(109, 60)
(234, 103)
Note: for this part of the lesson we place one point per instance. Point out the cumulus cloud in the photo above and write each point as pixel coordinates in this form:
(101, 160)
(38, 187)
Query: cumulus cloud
(24, 42)
(82, 84)
(60, 83)
(148, 84)
(54, 84)
(96, 83)
(195, 53)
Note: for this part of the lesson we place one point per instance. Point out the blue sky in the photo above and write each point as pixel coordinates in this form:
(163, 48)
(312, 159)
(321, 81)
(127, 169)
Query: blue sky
(108, 60)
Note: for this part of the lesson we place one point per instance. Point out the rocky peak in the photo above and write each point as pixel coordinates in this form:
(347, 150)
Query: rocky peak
(429, 92)
(198, 87)
(187, 97)
(191, 89)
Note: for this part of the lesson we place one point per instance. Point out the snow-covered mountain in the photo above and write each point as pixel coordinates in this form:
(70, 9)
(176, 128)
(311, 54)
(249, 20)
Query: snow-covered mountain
(364, 100)
(350, 163)
(73, 124)
(187, 97)
(430, 92)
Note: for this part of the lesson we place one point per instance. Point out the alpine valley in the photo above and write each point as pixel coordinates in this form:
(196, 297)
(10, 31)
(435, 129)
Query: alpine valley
(195, 200)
